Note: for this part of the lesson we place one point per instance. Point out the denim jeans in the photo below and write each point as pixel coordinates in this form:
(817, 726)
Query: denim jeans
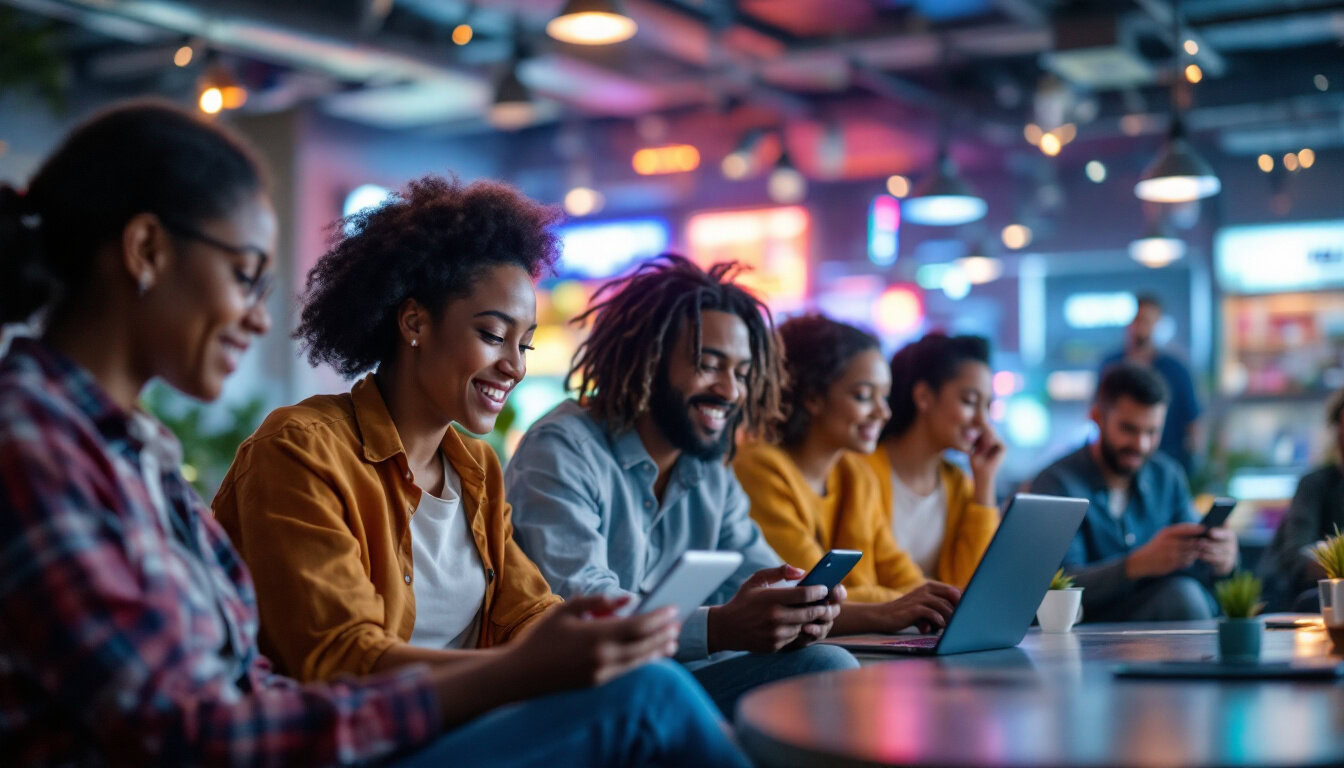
(1169, 598)
(726, 676)
(655, 715)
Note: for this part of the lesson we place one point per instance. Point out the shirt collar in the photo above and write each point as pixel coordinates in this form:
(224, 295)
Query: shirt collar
(81, 388)
(630, 452)
(1143, 479)
(382, 442)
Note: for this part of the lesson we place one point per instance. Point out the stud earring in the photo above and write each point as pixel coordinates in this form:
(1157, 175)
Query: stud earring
(142, 287)
(415, 342)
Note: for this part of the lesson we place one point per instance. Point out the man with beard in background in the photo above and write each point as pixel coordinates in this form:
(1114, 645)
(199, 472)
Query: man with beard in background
(1139, 554)
(609, 490)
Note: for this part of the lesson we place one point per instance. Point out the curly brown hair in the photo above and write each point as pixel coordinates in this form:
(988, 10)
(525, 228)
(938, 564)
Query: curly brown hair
(635, 322)
(816, 351)
(430, 243)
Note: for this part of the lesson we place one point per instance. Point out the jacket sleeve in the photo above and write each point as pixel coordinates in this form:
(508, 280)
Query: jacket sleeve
(521, 596)
(287, 515)
(967, 539)
(789, 527)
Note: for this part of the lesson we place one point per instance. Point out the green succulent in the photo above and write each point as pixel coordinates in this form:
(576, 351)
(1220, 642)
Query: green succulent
(1061, 581)
(1239, 595)
(1330, 554)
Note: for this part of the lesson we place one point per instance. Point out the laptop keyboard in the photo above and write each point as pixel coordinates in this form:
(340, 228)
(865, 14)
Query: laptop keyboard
(915, 642)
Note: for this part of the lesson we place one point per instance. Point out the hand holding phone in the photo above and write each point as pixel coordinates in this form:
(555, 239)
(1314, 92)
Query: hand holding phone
(832, 569)
(1217, 514)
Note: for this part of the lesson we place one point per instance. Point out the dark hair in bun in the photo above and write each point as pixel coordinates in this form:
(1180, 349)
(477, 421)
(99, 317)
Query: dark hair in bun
(140, 157)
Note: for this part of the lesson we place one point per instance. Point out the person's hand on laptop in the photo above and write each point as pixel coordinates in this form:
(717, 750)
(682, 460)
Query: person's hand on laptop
(762, 618)
(1218, 548)
(1173, 548)
(927, 608)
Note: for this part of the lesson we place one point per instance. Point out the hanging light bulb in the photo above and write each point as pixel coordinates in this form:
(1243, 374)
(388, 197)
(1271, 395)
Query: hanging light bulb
(1157, 248)
(786, 184)
(942, 199)
(592, 22)
(1179, 174)
(513, 107)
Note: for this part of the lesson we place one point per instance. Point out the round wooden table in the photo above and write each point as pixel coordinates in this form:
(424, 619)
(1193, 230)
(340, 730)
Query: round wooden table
(1053, 701)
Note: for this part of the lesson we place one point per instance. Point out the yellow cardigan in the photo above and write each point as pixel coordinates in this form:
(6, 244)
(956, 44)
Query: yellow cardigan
(968, 528)
(801, 526)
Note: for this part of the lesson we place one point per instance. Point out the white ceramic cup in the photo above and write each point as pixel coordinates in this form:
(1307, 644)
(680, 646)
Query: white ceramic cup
(1332, 601)
(1060, 608)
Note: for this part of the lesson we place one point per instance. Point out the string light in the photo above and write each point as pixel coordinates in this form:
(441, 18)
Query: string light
(1191, 47)
(1193, 73)
(211, 101)
(1265, 162)
(1306, 157)
(1050, 144)
(182, 57)
(1095, 170)
(898, 185)
(1290, 162)
(462, 34)
(1016, 236)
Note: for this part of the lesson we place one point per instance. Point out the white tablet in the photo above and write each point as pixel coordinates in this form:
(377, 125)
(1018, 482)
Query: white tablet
(695, 575)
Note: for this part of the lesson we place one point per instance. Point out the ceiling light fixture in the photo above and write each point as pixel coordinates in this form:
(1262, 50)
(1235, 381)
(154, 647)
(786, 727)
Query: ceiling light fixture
(592, 22)
(1179, 174)
(512, 107)
(942, 199)
(1157, 248)
(786, 184)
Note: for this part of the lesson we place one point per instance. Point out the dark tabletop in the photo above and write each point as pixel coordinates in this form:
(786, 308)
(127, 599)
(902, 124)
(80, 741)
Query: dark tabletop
(1053, 701)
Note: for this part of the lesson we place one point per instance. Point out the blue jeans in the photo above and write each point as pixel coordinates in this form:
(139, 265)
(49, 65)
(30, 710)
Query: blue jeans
(656, 715)
(726, 676)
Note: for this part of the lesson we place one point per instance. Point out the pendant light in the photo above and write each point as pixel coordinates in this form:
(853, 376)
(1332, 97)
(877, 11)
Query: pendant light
(1158, 247)
(942, 199)
(592, 22)
(1179, 174)
(513, 107)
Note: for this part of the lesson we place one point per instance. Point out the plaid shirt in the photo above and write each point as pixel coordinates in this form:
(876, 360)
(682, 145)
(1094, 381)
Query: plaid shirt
(129, 622)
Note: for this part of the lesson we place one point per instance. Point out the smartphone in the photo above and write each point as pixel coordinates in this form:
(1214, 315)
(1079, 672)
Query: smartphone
(687, 584)
(1217, 514)
(832, 569)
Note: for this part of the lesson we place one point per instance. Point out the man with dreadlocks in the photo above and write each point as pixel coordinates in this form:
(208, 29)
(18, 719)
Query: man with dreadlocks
(608, 491)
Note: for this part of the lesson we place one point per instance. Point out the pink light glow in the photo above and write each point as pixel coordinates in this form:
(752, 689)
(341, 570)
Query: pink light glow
(772, 242)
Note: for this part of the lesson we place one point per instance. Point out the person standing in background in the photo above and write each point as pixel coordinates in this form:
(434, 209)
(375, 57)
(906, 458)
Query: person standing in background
(1180, 435)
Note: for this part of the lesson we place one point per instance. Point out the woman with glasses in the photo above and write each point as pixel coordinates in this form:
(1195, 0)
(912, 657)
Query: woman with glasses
(130, 622)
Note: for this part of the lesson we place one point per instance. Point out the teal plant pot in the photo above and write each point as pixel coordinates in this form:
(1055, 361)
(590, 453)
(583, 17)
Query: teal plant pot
(1239, 640)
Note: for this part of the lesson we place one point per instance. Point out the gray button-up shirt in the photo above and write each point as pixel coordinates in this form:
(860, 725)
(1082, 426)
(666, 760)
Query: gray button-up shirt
(584, 510)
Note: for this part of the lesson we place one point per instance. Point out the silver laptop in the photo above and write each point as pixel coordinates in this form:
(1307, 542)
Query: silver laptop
(1007, 586)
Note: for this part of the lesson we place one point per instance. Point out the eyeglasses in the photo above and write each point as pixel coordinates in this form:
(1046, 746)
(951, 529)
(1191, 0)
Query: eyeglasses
(257, 281)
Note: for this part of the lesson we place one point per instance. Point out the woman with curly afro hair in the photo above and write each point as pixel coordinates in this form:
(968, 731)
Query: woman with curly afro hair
(378, 536)
(811, 491)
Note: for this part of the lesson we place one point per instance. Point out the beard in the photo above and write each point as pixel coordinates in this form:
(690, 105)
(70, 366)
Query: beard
(1110, 455)
(671, 412)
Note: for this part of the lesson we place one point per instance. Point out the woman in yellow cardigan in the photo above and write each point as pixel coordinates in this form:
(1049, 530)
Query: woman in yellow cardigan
(940, 396)
(813, 491)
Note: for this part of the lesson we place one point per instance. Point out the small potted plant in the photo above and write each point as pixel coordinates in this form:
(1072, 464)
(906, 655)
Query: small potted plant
(1330, 554)
(1062, 604)
(1239, 631)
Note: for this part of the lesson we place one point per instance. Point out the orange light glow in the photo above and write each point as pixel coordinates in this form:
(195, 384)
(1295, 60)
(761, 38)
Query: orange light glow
(899, 310)
(233, 96)
(674, 158)
(772, 242)
(212, 100)
(462, 34)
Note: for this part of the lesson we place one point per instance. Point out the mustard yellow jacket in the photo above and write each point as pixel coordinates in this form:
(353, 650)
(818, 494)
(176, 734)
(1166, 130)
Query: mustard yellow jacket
(319, 502)
(801, 526)
(968, 528)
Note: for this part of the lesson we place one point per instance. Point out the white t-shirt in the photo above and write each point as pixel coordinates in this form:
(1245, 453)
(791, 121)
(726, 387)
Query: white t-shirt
(449, 576)
(1117, 500)
(918, 521)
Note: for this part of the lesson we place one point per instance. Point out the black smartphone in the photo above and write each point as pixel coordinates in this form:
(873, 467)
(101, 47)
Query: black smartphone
(832, 569)
(1217, 514)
